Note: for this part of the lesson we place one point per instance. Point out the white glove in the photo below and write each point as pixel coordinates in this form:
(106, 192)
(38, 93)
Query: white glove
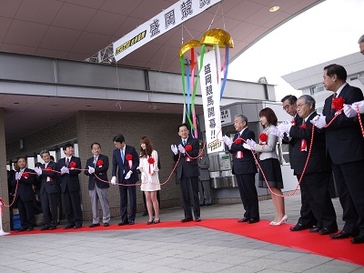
(143, 176)
(277, 132)
(38, 171)
(174, 149)
(246, 146)
(285, 127)
(91, 170)
(113, 180)
(251, 143)
(64, 170)
(319, 121)
(349, 111)
(227, 140)
(181, 149)
(127, 176)
(360, 105)
(17, 175)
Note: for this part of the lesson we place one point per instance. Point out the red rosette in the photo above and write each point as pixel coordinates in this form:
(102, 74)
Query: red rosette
(151, 160)
(337, 103)
(73, 164)
(263, 137)
(188, 148)
(48, 169)
(129, 157)
(99, 163)
(303, 126)
(238, 140)
(293, 122)
(25, 175)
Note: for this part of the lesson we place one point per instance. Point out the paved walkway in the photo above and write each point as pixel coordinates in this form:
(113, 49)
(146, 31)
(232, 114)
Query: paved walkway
(194, 249)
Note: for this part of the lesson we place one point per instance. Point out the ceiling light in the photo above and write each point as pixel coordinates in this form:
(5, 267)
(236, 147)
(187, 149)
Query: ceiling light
(274, 8)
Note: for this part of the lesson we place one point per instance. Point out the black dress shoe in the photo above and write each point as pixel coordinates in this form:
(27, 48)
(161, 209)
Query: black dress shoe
(185, 220)
(106, 224)
(21, 229)
(78, 226)
(243, 220)
(45, 228)
(52, 227)
(253, 220)
(314, 229)
(358, 239)
(123, 223)
(327, 231)
(198, 219)
(298, 227)
(341, 235)
(69, 226)
(94, 225)
(131, 222)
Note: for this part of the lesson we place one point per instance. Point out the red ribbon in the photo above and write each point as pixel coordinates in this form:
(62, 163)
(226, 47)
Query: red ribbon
(151, 162)
(337, 103)
(99, 163)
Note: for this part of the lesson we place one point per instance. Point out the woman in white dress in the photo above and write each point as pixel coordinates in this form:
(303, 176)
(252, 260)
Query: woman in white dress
(148, 167)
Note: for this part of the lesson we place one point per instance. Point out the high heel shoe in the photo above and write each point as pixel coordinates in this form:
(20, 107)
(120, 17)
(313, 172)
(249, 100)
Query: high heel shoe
(282, 221)
(150, 222)
(156, 221)
(273, 223)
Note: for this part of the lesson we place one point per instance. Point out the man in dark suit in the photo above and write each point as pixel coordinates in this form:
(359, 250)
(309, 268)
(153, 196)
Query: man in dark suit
(125, 161)
(185, 151)
(70, 167)
(345, 147)
(98, 185)
(26, 178)
(244, 169)
(307, 219)
(48, 191)
(315, 178)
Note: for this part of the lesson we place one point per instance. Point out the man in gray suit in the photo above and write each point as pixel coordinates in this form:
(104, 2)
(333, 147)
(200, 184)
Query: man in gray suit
(204, 180)
(98, 187)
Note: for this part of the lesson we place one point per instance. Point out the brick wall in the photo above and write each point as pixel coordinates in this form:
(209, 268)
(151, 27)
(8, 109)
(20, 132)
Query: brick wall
(88, 126)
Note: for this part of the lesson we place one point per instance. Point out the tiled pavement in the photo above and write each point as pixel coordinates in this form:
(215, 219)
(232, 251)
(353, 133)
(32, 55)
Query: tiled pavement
(194, 249)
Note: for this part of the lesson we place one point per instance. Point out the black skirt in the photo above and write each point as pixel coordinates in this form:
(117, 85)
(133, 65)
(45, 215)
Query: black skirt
(272, 172)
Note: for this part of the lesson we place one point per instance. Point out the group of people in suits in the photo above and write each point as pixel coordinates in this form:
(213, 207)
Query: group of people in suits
(64, 176)
(320, 147)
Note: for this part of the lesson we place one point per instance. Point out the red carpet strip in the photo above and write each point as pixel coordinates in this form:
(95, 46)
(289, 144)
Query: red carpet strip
(280, 235)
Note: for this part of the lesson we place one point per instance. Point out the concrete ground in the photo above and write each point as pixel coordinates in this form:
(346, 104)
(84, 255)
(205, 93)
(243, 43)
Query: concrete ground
(194, 249)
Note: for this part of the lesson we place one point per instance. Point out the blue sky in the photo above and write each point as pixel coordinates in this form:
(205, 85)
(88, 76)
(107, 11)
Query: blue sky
(325, 32)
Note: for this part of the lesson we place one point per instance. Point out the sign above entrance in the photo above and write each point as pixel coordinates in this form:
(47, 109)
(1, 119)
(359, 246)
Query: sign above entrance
(160, 24)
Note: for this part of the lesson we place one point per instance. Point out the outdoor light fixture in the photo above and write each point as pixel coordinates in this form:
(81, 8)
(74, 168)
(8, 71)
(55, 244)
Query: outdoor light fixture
(274, 8)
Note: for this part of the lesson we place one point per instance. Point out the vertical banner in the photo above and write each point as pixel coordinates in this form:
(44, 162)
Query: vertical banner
(171, 17)
(210, 91)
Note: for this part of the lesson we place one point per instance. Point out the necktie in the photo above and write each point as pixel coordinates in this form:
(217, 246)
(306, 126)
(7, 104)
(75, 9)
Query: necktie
(95, 160)
(67, 161)
(122, 154)
(184, 142)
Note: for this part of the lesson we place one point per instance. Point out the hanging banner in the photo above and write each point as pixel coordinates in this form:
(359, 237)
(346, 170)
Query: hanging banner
(160, 24)
(210, 91)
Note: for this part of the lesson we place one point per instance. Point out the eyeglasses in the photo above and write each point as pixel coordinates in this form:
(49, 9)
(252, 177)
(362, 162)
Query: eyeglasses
(285, 107)
(300, 105)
